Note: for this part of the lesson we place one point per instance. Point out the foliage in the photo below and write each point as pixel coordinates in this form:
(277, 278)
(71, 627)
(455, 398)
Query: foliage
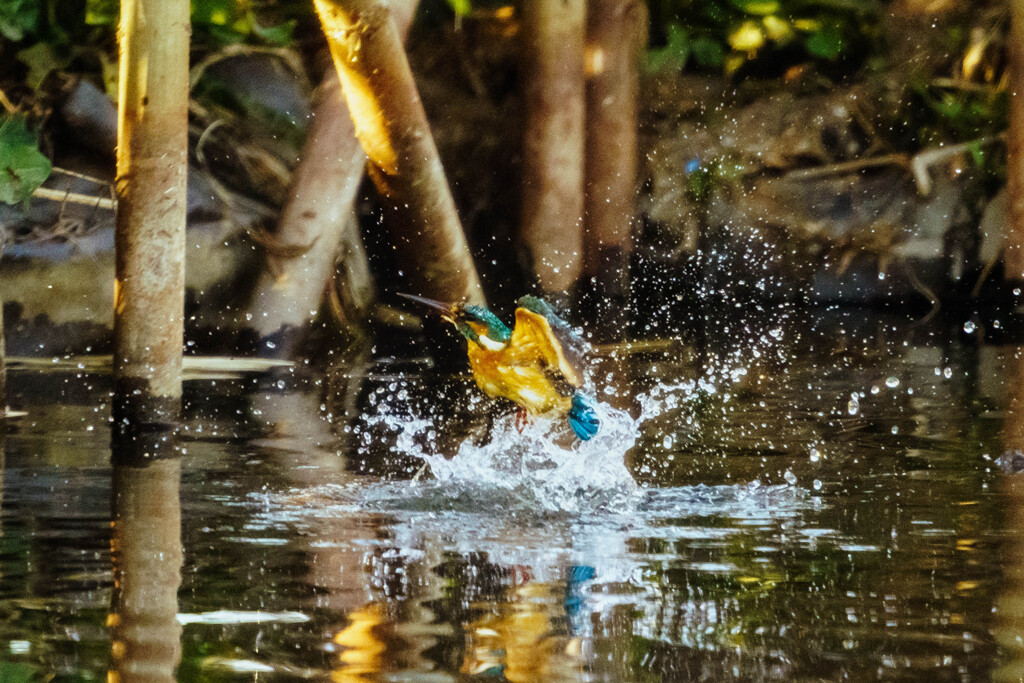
(79, 36)
(461, 8)
(20, 672)
(23, 167)
(234, 21)
(225, 22)
(732, 34)
(18, 18)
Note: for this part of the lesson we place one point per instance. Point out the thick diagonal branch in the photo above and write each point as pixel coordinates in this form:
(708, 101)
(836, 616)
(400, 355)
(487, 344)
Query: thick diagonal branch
(403, 162)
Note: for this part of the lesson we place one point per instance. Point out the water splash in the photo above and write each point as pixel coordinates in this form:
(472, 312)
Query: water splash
(544, 465)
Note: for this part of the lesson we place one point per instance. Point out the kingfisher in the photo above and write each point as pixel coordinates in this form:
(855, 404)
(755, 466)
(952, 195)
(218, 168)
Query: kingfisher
(537, 364)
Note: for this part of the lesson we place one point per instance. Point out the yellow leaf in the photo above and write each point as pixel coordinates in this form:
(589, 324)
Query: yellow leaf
(732, 64)
(777, 29)
(972, 58)
(747, 38)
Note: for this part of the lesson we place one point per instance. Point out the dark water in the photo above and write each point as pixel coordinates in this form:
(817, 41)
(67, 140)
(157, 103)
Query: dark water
(820, 503)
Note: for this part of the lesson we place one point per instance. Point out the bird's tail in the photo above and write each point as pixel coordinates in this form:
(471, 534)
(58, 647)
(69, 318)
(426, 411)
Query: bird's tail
(583, 416)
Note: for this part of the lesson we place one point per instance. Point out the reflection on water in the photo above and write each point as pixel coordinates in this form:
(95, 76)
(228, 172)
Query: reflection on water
(804, 504)
(146, 555)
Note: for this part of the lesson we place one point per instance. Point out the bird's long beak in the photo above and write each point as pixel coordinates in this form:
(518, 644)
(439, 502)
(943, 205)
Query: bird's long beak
(445, 310)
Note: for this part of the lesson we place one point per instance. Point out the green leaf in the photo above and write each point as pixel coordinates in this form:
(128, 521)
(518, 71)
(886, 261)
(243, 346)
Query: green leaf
(18, 18)
(23, 167)
(40, 60)
(761, 8)
(977, 153)
(675, 52)
(827, 42)
(110, 70)
(227, 14)
(708, 52)
(462, 8)
(18, 672)
(102, 12)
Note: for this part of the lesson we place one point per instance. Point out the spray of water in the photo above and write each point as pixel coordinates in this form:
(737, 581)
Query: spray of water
(541, 468)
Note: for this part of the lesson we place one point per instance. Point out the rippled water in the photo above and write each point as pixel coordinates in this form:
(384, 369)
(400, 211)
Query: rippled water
(813, 502)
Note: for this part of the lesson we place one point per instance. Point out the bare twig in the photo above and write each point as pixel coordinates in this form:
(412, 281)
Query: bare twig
(966, 86)
(900, 160)
(921, 161)
(80, 176)
(74, 198)
(8, 105)
(922, 289)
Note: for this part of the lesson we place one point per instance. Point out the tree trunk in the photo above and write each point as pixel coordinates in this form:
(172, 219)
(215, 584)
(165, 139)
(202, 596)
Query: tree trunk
(318, 215)
(553, 99)
(1013, 259)
(3, 366)
(393, 131)
(152, 155)
(616, 32)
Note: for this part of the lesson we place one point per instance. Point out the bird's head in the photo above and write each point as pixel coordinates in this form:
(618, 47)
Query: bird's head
(476, 323)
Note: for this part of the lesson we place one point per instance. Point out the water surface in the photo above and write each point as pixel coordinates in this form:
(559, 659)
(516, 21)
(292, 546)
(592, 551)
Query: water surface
(813, 502)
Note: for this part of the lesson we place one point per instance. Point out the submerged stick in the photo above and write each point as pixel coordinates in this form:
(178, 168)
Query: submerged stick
(553, 99)
(152, 155)
(1013, 258)
(319, 209)
(616, 30)
(403, 161)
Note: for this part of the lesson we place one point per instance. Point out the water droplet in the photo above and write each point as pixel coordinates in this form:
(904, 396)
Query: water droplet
(895, 429)
(817, 484)
(892, 382)
(970, 327)
(667, 441)
(790, 477)
(875, 389)
(947, 373)
(815, 455)
(853, 405)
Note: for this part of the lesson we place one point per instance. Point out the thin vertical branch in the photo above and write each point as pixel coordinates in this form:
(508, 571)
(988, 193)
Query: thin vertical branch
(553, 94)
(403, 161)
(616, 32)
(1014, 252)
(152, 148)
